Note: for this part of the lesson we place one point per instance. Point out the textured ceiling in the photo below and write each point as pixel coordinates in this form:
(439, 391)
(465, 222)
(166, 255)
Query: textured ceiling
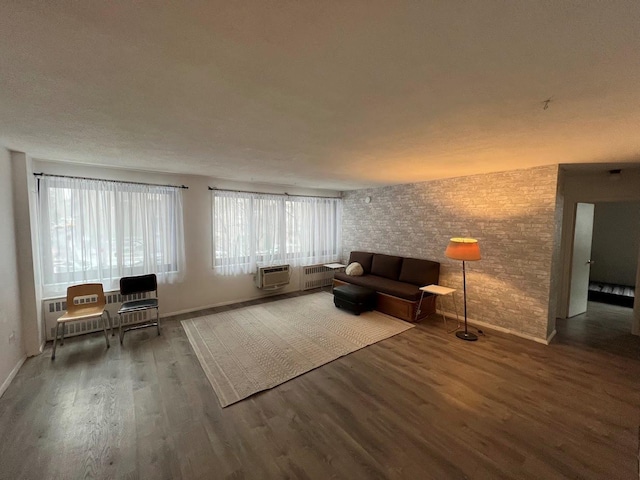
(328, 94)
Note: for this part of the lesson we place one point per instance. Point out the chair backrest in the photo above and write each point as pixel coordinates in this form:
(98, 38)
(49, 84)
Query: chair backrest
(87, 290)
(138, 284)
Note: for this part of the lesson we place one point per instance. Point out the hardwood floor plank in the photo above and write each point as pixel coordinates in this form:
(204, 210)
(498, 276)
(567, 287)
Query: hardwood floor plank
(422, 404)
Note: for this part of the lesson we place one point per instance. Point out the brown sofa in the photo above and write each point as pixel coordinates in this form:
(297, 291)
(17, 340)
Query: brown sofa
(397, 282)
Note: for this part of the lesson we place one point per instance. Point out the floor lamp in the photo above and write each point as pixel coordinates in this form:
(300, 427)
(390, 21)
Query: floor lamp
(465, 249)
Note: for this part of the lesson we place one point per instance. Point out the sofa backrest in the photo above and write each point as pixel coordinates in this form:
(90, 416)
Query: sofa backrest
(419, 272)
(415, 271)
(387, 266)
(363, 258)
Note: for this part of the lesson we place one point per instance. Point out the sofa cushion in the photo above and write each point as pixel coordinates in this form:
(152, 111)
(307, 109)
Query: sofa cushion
(363, 258)
(419, 272)
(387, 266)
(342, 276)
(384, 285)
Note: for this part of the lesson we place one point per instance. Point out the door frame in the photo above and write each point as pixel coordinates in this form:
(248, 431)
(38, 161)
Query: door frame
(568, 230)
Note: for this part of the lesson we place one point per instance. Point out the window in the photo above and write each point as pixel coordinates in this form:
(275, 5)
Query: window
(99, 231)
(252, 228)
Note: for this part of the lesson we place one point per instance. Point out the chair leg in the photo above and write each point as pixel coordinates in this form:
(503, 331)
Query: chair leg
(64, 325)
(104, 327)
(110, 322)
(120, 332)
(158, 320)
(55, 341)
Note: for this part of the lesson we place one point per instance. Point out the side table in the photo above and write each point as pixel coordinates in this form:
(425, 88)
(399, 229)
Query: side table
(334, 267)
(440, 291)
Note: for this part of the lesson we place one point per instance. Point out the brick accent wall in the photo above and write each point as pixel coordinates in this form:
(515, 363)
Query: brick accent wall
(515, 217)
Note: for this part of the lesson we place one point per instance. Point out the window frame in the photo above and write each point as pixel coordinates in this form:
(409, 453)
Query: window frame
(286, 203)
(106, 205)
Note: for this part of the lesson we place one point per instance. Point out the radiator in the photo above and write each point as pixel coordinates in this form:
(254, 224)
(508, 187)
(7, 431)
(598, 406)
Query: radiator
(53, 308)
(315, 276)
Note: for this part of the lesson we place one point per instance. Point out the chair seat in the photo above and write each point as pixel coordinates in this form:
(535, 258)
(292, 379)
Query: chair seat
(82, 313)
(134, 305)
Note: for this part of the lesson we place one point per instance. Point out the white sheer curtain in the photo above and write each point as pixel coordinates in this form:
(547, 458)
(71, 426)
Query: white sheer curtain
(99, 231)
(252, 228)
(231, 238)
(314, 230)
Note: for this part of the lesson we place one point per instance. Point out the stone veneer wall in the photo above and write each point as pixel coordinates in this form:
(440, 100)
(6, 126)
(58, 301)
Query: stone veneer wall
(514, 215)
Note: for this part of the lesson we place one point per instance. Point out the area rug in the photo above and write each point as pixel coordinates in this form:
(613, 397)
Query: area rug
(251, 349)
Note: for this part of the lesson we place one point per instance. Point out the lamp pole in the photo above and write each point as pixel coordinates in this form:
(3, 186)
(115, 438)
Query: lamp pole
(465, 335)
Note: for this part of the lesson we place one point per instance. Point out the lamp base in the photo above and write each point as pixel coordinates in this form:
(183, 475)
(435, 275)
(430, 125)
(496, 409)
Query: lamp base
(467, 336)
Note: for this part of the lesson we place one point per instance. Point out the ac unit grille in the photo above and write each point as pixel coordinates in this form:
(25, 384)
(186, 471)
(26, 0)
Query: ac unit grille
(272, 270)
(53, 308)
(273, 276)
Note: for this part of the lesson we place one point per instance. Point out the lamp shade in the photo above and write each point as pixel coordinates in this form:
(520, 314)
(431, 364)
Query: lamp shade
(466, 249)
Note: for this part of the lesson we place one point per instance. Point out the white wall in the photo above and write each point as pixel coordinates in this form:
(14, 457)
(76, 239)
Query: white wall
(616, 242)
(12, 351)
(200, 288)
(24, 198)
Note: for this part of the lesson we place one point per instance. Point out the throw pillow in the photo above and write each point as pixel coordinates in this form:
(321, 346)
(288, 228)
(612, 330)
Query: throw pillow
(354, 269)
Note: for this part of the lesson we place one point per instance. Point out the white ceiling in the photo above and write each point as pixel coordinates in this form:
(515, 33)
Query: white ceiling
(327, 94)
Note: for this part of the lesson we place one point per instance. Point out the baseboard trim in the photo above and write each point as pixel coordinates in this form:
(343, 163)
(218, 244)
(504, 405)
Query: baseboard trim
(12, 375)
(449, 315)
(507, 330)
(551, 335)
(489, 326)
(222, 304)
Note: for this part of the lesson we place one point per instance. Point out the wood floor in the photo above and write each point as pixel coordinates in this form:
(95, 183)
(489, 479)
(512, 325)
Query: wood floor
(420, 405)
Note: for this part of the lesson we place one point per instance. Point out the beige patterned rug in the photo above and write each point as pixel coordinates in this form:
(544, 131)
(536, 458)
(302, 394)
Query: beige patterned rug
(252, 349)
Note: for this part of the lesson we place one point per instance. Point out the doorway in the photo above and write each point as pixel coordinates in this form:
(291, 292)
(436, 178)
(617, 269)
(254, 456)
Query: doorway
(605, 261)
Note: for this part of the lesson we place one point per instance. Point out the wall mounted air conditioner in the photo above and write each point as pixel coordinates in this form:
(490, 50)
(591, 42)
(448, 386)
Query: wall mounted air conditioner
(272, 277)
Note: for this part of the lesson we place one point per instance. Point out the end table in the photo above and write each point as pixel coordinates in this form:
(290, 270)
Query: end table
(439, 291)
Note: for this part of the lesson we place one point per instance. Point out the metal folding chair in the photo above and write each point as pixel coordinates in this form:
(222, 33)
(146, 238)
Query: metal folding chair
(138, 285)
(84, 302)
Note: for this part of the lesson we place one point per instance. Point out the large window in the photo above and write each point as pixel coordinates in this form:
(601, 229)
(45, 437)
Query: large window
(99, 231)
(252, 228)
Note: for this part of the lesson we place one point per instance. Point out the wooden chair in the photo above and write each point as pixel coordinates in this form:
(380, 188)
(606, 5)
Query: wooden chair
(138, 285)
(93, 306)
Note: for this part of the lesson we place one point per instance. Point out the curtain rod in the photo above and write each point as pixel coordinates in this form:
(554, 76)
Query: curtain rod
(263, 193)
(112, 181)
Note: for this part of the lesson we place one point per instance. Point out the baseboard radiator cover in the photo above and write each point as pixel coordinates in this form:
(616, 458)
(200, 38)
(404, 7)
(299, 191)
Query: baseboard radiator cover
(315, 276)
(53, 308)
